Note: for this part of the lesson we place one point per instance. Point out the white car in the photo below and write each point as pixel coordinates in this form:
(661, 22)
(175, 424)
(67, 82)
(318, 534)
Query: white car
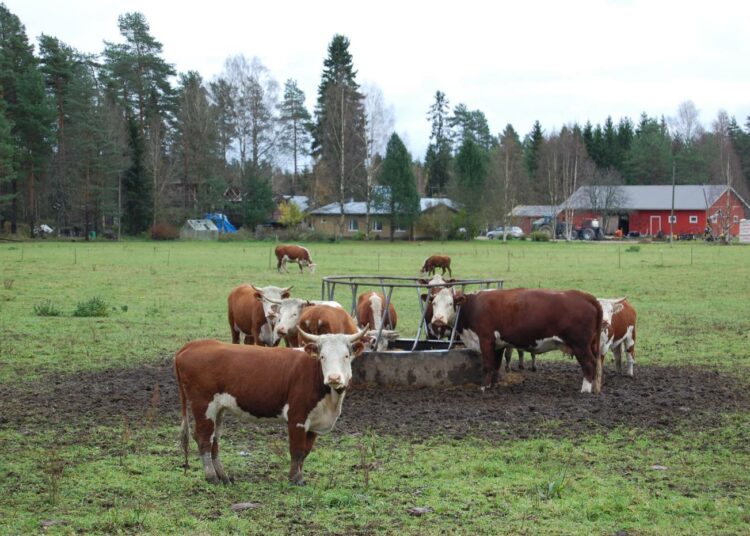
(512, 232)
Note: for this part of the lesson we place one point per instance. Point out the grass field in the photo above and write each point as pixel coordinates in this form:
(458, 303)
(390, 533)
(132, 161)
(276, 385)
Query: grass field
(115, 473)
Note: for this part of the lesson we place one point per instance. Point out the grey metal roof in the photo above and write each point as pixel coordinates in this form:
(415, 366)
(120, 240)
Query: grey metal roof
(357, 208)
(302, 201)
(534, 211)
(659, 197)
(201, 225)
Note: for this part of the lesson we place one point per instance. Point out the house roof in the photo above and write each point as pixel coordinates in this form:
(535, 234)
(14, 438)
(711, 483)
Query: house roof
(302, 201)
(534, 211)
(658, 197)
(359, 208)
(201, 225)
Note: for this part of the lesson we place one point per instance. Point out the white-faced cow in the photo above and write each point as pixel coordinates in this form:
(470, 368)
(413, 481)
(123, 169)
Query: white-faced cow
(371, 312)
(291, 253)
(252, 316)
(289, 312)
(618, 331)
(531, 319)
(437, 261)
(433, 332)
(304, 388)
(324, 319)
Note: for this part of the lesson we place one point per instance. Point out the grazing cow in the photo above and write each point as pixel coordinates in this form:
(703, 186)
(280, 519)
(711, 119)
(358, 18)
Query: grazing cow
(437, 261)
(531, 319)
(289, 311)
(291, 253)
(252, 316)
(618, 331)
(304, 388)
(371, 312)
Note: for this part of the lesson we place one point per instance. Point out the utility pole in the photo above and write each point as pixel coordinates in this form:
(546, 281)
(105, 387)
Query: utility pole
(671, 212)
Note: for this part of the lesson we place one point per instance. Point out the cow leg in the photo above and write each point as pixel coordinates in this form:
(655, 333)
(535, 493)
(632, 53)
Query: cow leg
(218, 467)
(278, 264)
(533, 362)
(617, 352)
(235, 336)
(309, 442)
(487, 347)
(297, 446)
(204, 430)
(520, 360)
(508, 355)
(450, 274)
(588, 366)
(248, 339)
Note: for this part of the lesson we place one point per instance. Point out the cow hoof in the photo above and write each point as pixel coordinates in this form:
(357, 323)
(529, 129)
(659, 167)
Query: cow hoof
(297, 480)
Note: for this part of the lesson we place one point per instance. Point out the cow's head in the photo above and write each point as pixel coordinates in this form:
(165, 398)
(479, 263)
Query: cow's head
(289, 311)
(609, 309)
(311, 265)
(444, 303)
(269, 297)
(336, 352)
(385, 337)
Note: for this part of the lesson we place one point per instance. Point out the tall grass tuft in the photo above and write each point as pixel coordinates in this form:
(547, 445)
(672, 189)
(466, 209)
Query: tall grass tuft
(92, 307)
(46, 308)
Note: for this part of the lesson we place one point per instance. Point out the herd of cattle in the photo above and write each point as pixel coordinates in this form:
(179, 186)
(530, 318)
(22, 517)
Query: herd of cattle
(304, 383)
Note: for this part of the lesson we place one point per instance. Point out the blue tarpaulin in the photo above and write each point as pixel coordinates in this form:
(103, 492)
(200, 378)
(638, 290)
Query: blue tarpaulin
(222, 222)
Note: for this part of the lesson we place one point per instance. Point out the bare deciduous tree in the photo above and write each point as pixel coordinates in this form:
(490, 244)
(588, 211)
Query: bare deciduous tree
(380, 120)
(728, 169)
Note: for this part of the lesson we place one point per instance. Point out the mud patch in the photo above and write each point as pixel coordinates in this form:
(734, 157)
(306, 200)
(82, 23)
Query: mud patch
(527, 404)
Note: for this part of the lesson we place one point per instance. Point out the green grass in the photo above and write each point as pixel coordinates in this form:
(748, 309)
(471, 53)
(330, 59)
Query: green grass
(693, 308)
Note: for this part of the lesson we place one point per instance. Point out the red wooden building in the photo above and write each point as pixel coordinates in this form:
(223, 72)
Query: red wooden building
(646, 209)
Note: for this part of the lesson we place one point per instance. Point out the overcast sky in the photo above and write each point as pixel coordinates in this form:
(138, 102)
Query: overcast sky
(558, 62)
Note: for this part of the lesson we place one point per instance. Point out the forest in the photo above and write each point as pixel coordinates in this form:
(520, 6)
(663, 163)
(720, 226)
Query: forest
(118, 141)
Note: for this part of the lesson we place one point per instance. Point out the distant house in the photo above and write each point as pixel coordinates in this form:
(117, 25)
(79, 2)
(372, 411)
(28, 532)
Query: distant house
(326, 218)
(302, 202)
(199, 230)
(525, 215)
(646, 209)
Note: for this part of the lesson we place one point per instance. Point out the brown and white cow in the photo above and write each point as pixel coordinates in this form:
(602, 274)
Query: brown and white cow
(437, 261)
(324, 319)
(304, 388)
(618, 331)
(371, 312)
(289, 311)
(433, 332)
(252, 316)
(291, 253)
(531, 319)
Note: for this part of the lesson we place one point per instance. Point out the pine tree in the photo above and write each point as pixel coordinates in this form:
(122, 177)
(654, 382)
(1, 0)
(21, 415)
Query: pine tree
(135, 184)
(257, 204)
(438, 157)
(397, 175)
(6, 159)
(649, 160)
(296, 126)
(532, 148)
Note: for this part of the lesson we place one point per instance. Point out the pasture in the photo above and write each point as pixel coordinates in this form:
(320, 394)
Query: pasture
(89, 413)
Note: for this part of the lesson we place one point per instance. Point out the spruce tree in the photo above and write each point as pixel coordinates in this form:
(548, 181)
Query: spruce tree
(438, 157)
(397, 175)
(532, 148)
(136, 189)
(296, 126)
(257, 203)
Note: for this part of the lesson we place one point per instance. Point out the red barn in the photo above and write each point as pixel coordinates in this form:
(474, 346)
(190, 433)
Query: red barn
(645, 210)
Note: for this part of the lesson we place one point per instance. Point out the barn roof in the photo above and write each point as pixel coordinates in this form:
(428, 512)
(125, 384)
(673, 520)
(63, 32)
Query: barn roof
(534, 211)
(656, 197)
(356, 208)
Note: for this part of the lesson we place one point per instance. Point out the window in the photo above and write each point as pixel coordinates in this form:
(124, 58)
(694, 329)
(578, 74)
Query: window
(736, 219)
(672, 219)
(353, 224)
(400, 228)
(714, 217)
(693, 219)
(377, 226)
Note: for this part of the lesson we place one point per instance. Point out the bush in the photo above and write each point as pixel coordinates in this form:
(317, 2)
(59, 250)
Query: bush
(92, 307)
(46, 308)
(539, 236)
(164, 231)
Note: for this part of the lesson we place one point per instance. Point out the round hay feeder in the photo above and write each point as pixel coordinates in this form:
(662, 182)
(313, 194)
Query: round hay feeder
(420, 361)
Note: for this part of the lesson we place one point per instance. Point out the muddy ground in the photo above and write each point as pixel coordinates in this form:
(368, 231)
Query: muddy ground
(527, 404)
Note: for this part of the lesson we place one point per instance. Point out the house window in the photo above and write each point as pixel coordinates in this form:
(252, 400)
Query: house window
(693, 219)
(322, 220)
(672, 219)
(736, 219)
(399, 228)
(714, 217)
(377, 226)
(353, 224)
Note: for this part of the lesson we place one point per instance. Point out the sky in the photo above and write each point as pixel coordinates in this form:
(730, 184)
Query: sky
(552, 61)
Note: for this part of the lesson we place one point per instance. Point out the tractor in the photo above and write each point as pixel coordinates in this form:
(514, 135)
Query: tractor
(589, 230)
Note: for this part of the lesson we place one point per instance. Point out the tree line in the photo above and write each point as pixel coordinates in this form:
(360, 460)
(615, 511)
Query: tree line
(119, 141)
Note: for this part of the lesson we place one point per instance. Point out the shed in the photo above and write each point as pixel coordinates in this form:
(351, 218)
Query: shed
(744, 231)
(199, 230)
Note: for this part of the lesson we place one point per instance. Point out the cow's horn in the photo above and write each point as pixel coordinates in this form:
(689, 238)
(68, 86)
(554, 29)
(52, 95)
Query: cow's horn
(287, 289)
(272, 300)
(308, 336)
(361, 333)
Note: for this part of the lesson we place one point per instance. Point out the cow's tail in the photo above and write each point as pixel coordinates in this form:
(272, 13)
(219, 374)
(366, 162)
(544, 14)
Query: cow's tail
(185, 426)
(596, 347)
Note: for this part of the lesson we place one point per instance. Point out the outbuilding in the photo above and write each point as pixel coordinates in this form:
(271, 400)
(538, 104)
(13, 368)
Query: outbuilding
(199, 230)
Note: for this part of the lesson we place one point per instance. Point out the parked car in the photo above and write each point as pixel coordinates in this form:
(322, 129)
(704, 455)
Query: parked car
(512, 232)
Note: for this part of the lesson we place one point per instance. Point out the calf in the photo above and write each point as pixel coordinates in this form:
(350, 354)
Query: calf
(371, 312)
(289, 311)
(618, 331)
(252, 316)
(530, 319)
(291, 253)
(304, 388)
(437, 261)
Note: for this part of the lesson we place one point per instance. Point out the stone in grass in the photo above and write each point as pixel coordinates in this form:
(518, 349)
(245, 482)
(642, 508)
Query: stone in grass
(239, 507)
(419, 510)
(659, 467)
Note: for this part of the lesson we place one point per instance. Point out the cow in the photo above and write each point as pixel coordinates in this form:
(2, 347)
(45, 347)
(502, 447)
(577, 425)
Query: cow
(535, 320)
(291, 253)
(433, 332)
(252, 316)
(289, 311)
(324, 319)
(371, 312)
(437, 261)
(618, 331)
(305, 388)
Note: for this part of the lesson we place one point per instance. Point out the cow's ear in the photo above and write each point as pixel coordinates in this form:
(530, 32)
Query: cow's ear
(358, 348)
(423, 281)
(259, 296)
(459, 299)
(451, 280)
(312, 349)
(286, 295)
(424, 297)
(308, 303)
(616, 308)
